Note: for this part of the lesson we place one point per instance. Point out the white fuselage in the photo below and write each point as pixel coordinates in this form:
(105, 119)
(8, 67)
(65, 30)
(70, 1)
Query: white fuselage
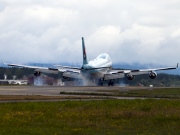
(103, 62)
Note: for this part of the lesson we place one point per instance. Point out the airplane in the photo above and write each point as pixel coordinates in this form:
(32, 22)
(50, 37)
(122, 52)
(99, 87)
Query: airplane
(98, 70)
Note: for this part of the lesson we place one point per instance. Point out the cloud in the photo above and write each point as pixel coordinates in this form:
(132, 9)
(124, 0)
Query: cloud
(50, 31)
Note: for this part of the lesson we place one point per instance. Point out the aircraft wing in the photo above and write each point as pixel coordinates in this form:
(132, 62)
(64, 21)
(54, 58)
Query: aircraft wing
(114, 74)
(146, 71)
(68, 69)
(48, 69)
(140, 71)
(37, 68)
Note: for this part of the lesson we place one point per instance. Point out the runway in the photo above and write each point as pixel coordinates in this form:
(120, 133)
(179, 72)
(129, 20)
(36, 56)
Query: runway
(47, 90)
(52, 93)
(55, 90)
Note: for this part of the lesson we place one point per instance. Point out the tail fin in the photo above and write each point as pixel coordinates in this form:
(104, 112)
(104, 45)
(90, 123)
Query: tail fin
(84, 52)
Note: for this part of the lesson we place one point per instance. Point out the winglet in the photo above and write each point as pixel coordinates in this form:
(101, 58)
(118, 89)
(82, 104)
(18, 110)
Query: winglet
(177, 65)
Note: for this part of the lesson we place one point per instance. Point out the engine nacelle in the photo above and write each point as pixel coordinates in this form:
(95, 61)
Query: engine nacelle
(36, 73)
(152, 75)
(130, 77)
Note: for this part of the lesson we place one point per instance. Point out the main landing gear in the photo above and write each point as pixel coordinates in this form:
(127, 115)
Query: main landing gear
(111, 83)
(100, 82)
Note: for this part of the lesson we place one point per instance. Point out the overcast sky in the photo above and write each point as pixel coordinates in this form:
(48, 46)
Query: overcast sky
(130, 31)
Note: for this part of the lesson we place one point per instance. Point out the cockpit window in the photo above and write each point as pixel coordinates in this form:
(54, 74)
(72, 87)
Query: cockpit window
(102, 56)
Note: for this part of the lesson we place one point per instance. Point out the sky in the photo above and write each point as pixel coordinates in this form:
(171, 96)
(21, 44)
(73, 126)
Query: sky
(50, 31)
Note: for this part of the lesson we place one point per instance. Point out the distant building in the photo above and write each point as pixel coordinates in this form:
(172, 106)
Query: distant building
(18, 82)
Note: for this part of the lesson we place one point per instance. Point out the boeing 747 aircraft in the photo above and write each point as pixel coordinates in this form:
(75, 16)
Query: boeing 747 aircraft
(99, 69)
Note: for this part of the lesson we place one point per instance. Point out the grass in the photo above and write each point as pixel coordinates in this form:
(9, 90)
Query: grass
(154, 93)
(106, 117)
(39, 97)
(173, 93)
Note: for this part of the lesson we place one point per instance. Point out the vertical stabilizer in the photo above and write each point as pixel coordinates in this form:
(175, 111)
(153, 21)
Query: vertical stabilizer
(84, 52)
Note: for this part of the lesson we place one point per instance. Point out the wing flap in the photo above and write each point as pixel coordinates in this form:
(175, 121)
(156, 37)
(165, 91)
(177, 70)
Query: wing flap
(113, 76)
(72, 75)
(69, 70)
(117, 71)
(66, 67)
(48, 70)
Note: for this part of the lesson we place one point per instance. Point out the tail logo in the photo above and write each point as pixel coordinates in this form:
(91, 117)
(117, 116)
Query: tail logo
(84, 52)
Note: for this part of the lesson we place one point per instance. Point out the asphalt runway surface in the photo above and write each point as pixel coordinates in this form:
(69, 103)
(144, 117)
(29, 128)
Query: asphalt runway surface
(47, 90)
(54, 91)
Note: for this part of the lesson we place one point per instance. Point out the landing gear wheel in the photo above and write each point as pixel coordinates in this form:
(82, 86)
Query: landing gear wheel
(111, 83)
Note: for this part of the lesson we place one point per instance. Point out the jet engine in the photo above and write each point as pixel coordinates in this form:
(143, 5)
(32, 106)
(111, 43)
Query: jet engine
(152, 75)
(130, 77)
(36, 73)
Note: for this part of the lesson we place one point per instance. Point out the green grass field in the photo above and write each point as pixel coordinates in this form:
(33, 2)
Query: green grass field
(154, 93)
(170, 93)
(106, 117)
